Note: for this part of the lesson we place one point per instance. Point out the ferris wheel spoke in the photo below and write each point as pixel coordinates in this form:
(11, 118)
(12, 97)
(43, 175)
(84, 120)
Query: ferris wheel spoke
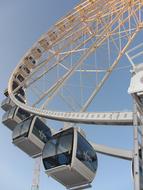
(43, 63)
(100, 84)
(69, 101)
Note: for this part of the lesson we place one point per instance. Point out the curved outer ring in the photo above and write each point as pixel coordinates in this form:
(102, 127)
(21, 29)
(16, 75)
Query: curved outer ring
(118, 118)
(77, 117)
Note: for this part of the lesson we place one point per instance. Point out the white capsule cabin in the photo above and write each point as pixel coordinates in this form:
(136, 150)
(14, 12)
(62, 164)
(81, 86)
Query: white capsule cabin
(70, 159)
(31, 135)
(29, 62)
(20, 91)
(14, 116)
(7, 103)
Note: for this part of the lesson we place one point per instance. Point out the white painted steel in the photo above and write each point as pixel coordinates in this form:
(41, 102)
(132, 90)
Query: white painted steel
(84, 117)
(114, 152)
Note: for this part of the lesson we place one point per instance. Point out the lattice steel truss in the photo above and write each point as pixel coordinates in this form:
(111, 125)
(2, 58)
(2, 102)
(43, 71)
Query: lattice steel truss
(93, 26)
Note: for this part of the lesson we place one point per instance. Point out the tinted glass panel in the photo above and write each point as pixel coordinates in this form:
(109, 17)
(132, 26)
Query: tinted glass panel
(19, 98)
(5, 116)
(41, 131)
(26, 69)
(65, 143)
(58, 150)
(22, 129)
(12, 112)
(141, 99)
(6, 92)
(57, 160)
(86, 154)
(26, 127)
(20, 78)
(22, 114)
(6, 101)
(21, 92)
(16, 132)
(9, 114)
(15, 85)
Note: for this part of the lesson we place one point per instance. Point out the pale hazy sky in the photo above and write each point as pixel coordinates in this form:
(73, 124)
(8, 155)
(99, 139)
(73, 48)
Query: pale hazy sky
(21, 23)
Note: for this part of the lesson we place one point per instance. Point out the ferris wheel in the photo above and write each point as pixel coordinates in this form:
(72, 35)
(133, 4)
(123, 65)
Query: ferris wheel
(65, 69)
(60, 76)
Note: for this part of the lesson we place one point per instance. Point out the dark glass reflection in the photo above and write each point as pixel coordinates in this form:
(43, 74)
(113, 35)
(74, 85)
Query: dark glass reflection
(6, 93)
(20, 91)
(141, 99)
(23, 67)
(19, 98)
(58, 150)
(22, 114)
(20, 78)
(5, 116)
(14, 85)
(22, 129)
(41, 130)
(9, 114)
(7, 100)
(86, 154)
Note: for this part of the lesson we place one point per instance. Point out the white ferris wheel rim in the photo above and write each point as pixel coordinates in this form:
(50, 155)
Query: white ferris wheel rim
(78, 117)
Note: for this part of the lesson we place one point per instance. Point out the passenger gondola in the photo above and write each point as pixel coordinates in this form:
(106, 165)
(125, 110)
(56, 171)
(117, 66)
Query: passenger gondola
(24, 70)
(7, 103)
(20, 92)
(31, 135)
(29, 62)
(70, 159)
(14, 116)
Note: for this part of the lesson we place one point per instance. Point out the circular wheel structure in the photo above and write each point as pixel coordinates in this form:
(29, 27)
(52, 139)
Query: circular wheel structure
(65, 69)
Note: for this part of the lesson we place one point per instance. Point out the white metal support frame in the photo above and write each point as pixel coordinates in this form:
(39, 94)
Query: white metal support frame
(114, 152)
(36, 175)
(136, 152)
(135, 155)
(136, 89)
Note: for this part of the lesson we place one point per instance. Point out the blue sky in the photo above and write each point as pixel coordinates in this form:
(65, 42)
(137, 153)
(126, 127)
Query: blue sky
(21, 24)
